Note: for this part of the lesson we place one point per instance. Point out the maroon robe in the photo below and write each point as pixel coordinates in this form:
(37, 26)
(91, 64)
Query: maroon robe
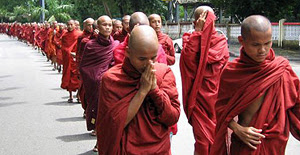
(148, 131)
(96, 59)
(203, 57)
(120, 35)
(168, 47)
(242, 82)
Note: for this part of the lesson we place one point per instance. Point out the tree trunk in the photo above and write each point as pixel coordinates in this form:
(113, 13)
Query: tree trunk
(107, 9)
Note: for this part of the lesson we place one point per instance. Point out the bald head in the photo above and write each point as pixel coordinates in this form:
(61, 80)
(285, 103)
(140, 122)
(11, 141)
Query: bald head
(138, 18)
(104, 24)
(103, 18)
(143, 37)
(202, 9)
(88, 24)
(126, 18)
(254, 22)
(153, 16)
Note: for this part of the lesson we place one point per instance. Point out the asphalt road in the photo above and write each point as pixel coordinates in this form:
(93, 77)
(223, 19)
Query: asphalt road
(36, 118)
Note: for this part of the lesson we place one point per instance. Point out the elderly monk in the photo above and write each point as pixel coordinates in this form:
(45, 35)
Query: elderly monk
(117, 26)
(81, 42)
(137, 18)
(120, 35)
(204, 55)
(138, 101)
(262, 91)
(70, 81)
(97, 58)
(57, 41)
(164, 39)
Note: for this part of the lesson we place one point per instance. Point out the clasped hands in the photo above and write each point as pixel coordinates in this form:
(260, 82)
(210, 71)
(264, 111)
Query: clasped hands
(148, 78)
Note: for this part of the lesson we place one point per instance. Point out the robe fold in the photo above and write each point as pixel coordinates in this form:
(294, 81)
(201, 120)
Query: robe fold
(51, 45)
(203, 57)
(242, 82)
(58, 44)
(120, 35)
(148, 131)
(70, 80)
(119, 53)
(167, 45)
(97, 58)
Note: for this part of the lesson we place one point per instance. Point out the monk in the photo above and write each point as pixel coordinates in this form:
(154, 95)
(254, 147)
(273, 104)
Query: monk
(120, 35)
(204, 55)
(164, 39)
(57, 41)
(117, 26)
(97, 59)
(77, 25)
(51, 45)
(258, 96)
(138, 101)
(81, 42)
(137, 18)
(70, 80)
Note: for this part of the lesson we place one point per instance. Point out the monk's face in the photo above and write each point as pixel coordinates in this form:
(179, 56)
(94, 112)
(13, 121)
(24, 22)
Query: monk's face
(70, 26)
(118, 27)
(125, 24)
(105, 26)
(141, 57)
(257, 44)
(155, 23)
(88, 26)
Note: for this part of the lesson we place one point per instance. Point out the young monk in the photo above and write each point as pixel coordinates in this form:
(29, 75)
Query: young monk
(81, 42)
(164, 39)
(70, 81)
(203, 57)
(97, 58)
(120, 35)
(58, 44)
(138, 101)
(117, 26)
(262, 91)
(137, 18)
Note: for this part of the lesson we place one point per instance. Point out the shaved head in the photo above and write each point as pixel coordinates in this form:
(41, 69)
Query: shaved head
(103, 18)
(104, 26)
(201, 9)
(88, 24)
(88, 20)
(143, 36)
(126, 17)
(142, 47)
(138, 18)
(152, 16)
(254, 22)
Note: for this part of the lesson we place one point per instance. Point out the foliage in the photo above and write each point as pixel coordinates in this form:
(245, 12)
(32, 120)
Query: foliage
(274, 10)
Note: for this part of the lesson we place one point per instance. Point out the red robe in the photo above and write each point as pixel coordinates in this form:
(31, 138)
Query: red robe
(202, 59)
(70, 79)
(148, 131)
(119, 53)
(168, 47)
(57, 42)
(51, 45)
(42, 38)
(120, 35)
(242, 82)
(97, 58)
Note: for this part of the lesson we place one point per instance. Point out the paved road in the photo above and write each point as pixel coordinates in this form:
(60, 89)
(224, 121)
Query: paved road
(36, 119)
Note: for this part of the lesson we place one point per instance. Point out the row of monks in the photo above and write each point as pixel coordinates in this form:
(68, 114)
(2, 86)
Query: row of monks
(129, 95)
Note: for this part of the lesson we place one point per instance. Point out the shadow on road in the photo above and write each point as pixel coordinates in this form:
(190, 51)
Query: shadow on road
(61, 103)
(10, 104)
(53, 73)
(91, 152)
(5, 98)
(71, 119)
(5, 76)
(48, 70)
(56, 89)
(10, 88)
(75, 138)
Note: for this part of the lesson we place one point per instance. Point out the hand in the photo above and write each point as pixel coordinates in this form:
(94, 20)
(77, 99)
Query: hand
(154, 84)
(201, 21)
(147, 79)
(249, 135)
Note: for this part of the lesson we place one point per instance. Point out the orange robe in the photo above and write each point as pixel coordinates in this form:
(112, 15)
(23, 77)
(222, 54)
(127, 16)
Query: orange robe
(202, 59)
(51, 45)
(148, 131)
(70, 80)
(57, 42)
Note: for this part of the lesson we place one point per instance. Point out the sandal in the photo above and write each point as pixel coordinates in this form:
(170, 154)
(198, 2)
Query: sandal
(93, 133)
(70, 100)
(95, 149)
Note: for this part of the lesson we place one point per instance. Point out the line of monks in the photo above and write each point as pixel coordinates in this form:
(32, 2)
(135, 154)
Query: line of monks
(120, 70)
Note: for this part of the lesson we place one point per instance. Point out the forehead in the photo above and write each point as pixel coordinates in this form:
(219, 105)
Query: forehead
(155, 17)
(259, 36)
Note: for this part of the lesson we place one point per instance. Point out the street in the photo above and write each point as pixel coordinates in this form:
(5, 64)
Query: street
(36, 118)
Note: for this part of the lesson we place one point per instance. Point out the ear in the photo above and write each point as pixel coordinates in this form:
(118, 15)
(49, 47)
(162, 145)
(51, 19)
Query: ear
(127, 51)
(241, 40)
